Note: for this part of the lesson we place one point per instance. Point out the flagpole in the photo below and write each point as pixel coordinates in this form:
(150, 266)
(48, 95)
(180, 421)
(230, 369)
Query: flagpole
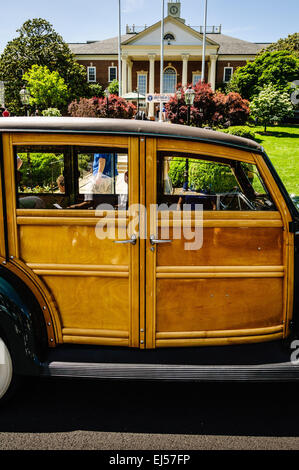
(162, 59)
(204, 42)
(119, 49)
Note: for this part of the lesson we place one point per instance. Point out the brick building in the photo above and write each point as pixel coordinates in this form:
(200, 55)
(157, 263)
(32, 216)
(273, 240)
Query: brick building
(140, 55)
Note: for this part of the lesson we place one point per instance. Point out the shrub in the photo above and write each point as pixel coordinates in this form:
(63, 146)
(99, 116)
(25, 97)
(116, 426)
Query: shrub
(97, 107)
(113, 87)
(241, 131)
(94, 90)
(209, 108)
(83, 108)
(203, 176)
(236, 108)
(51, 112)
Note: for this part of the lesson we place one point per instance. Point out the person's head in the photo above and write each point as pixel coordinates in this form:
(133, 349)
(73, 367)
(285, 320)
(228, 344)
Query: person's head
(60, 183)
(126, 176)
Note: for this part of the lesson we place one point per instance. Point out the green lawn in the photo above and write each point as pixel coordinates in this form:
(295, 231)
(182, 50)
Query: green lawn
(282, 146)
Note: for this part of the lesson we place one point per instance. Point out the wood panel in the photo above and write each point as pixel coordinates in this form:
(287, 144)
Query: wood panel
(233, 246)
(91, 302)
(204, 149)
(151, 252)
(69, 139)
(218, 304)
(69, 244)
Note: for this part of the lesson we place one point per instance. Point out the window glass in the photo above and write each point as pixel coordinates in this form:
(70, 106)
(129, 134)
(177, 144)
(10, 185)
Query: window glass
(169, 80)
(91, 74)
(70, 177)
(228, 71)
(112, 74)
(40, 176)
(216, 184)
(103, 177)
(141, 83)
(196, 77)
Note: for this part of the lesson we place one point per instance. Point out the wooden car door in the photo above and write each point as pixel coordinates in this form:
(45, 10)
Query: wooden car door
(233, 288)
(93, 281)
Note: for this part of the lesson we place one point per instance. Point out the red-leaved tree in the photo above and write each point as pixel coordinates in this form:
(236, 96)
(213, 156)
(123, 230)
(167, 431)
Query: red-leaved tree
(209, 108)
(97, 107)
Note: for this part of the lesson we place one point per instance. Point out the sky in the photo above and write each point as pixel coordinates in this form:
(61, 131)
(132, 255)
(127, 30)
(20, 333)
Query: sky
(79, 21)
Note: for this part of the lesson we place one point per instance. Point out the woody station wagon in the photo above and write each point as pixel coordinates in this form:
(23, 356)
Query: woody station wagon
(90, 287)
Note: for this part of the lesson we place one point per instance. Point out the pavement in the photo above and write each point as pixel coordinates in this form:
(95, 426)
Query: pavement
(72, 414)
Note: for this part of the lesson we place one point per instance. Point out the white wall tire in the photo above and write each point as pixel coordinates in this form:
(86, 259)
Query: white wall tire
(6, 370)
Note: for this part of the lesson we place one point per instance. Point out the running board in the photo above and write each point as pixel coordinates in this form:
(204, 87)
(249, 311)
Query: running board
(170, 372)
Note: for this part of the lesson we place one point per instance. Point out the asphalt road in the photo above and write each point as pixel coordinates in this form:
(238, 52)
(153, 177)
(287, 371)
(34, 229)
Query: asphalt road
(67, 414)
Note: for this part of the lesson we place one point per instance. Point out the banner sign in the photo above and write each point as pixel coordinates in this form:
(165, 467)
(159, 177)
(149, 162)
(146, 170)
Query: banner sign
(158, 97)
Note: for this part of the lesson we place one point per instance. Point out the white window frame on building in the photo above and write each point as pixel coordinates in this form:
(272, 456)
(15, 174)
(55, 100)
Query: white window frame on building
(91, 67)
(169, 37)
(197, 73)
(165, 89)
(142, 90)
(231, 74)
(109, 73)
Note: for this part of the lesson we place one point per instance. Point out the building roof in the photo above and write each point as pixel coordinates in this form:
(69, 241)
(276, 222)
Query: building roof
(228, 45)
(123, 127)
(106, 46)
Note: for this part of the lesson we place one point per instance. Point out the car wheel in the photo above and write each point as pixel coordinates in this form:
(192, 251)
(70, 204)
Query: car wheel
(6, 372)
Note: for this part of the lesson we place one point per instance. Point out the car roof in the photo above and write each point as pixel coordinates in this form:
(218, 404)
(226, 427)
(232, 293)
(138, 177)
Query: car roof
(84, 125)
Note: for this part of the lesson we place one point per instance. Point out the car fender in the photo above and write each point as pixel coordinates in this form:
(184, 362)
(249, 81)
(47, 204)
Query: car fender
(22, 325)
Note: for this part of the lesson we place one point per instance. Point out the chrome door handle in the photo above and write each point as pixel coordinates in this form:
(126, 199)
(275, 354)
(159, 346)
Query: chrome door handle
(133, 240)
(155, 241)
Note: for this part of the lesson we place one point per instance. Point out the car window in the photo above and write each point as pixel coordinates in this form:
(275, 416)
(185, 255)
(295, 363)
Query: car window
(70, 177)
(214, 183)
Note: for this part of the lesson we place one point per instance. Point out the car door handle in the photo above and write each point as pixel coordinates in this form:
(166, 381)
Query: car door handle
(133, 240)
(155, 241)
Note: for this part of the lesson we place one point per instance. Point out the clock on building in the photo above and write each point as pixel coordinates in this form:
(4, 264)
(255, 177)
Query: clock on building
(174, 9)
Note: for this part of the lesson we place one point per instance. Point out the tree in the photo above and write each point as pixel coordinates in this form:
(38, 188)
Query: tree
(47, 89)
(271, 105)
(209, 108)
(39, 44)
(290, 44)
(278, 68)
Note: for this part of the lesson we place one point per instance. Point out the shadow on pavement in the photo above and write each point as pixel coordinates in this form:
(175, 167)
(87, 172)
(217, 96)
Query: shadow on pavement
(63, 405)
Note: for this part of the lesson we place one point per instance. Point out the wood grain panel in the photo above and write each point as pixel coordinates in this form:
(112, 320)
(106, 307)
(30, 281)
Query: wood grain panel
(220, 333)
(69, 244)
(228, 247)
(218, 304)
(91, 303)
(204, 149)
(195, 342)
(69, 139)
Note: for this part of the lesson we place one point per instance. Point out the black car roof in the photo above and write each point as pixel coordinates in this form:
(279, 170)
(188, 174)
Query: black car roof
(125, 127)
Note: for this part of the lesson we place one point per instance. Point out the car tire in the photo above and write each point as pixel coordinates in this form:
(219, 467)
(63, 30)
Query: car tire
(8, 380)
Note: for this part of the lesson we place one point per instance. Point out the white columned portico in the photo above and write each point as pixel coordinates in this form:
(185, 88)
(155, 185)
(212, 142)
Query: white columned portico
(213, 59)
(151, 88)
(185, 58)
(124, 60)
(130, 66)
